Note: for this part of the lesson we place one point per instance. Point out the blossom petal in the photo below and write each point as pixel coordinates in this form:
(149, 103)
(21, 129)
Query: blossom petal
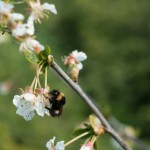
(79, 66)
(40, 106)
(47, 112)
(80, 56)
(50, 143)
(5, 7)
(74, 53)
(50, 7)
(24, 107)
(24, 29)
(16, 100)
(28, 116)
(87, 146)
(30, 20)
(31, 44)
(29, 97)
(60, 145)
(16, 16)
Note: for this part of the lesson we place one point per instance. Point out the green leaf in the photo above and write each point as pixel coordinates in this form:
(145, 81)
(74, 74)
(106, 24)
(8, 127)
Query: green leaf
(31, 56)
(43, 55)
(87, 125)
(47, 50)
(82, 131)
(95, 145)
(79, 131)
(86, 128)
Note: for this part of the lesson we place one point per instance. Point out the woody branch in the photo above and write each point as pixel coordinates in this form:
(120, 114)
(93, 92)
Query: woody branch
(76, 87)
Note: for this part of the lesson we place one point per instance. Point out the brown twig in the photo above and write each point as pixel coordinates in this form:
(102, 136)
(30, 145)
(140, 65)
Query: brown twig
(89, 102)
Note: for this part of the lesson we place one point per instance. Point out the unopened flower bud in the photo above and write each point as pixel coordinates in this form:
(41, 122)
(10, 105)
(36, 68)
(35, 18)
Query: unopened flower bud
(73, 73)
(87, 146)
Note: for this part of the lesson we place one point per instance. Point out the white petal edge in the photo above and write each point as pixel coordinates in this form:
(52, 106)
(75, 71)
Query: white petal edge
(81, 56)
(85, 148)
(74, 53)
(29, 97)
(60, 145)
(16, 16)
(50, 143)
(79, 66)
(40, 106)
(50, 7)
(16, 100)
(28, 116)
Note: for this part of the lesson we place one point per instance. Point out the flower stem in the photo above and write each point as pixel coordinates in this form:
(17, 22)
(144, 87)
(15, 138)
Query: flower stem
(45, 76)
(76, 138)
(39, 68)
(94, 139)
(33, 82)
(35, 85)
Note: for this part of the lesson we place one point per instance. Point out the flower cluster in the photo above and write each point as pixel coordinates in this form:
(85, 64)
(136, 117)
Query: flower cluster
(74, 61)
(7, 17)
(90, 132)
(24, 32)
(97, 130)
(39, 11)
(30, 101)
(51, 146)
(37, 98)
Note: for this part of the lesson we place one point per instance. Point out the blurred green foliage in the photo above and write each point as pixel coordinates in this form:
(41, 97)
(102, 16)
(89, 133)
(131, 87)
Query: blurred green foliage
(115, 35)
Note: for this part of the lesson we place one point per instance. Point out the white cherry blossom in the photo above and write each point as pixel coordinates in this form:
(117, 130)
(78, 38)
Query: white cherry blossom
(5, 8)
(23, 30)
(59, 145)
(39, 11)
(79, 56)
(29, 102)
(50, 7)
(7, 16)
(74, 61)
(75, 58)
(25, 105)
(31, 44)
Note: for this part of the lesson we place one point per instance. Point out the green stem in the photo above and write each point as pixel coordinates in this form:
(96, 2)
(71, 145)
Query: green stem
(76, 138)
(94, 139)
(35, 85)
(40, 66)
(45, 76)
(33, 82)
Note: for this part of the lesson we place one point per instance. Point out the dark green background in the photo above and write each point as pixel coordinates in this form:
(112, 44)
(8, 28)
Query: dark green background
(115, 35)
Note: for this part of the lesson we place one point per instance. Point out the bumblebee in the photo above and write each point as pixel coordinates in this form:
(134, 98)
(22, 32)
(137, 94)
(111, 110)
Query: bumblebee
(57, 100)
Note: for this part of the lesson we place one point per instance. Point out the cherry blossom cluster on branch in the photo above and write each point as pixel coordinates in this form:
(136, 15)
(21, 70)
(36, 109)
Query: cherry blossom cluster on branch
(24, 32)
(38, 97)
